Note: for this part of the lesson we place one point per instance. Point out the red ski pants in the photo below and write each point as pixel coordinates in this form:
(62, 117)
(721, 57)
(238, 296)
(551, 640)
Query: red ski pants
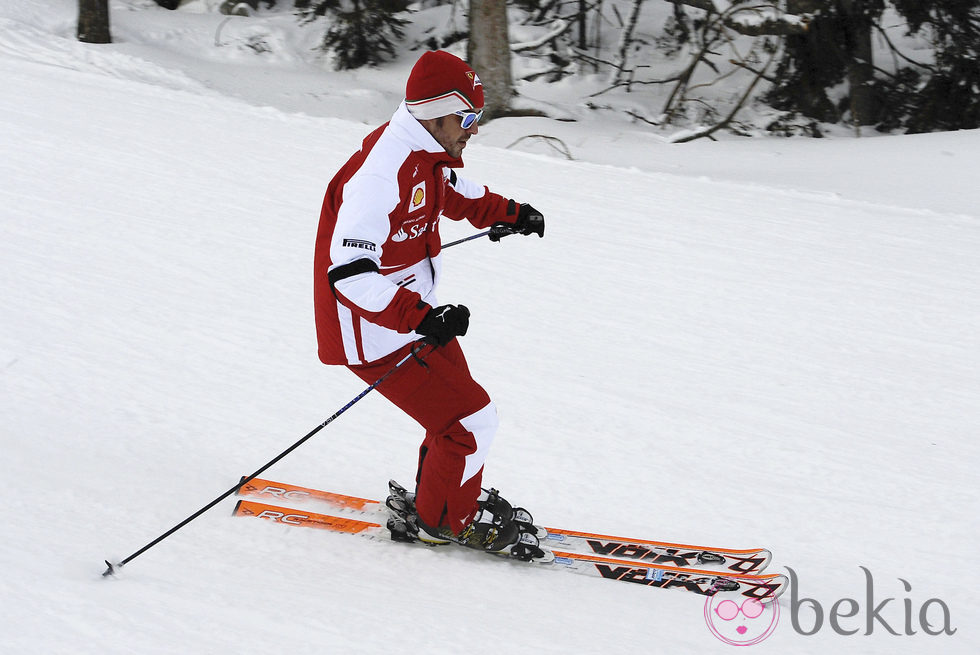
(459, 421)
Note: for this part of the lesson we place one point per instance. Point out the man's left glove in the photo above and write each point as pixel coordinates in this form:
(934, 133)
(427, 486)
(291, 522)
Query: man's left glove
(529, 221)
(444, 323)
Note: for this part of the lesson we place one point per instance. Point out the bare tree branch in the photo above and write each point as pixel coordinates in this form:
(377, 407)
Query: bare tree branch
(760, 73)
(559, 28)
(753, 21)
(728, 119)
(552, 141)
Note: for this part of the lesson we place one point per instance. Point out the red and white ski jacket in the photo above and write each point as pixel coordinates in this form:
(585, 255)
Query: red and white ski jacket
(377, 260)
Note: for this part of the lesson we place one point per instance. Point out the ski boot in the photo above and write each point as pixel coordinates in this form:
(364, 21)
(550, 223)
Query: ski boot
(497, 528)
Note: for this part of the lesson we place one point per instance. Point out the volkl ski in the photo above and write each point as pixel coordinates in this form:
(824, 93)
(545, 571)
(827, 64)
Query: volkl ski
(765, 587)
(706, 558)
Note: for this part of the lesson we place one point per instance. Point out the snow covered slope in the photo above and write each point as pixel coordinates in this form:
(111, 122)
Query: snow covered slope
(709, 346)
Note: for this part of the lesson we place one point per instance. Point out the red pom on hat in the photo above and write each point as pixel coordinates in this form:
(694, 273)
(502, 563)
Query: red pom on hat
(441, 84)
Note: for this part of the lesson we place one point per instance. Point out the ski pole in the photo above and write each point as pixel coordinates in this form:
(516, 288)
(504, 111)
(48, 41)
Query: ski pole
(465, 239)
(414, 354)
(498, 230)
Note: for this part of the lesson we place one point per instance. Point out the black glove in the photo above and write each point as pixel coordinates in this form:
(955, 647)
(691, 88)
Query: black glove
(442, 324)
(529, 221)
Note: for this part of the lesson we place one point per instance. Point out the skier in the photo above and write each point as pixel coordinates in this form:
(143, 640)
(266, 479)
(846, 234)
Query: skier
(377, 266)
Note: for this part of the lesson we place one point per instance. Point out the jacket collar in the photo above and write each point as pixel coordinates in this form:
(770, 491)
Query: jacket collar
(414, 133)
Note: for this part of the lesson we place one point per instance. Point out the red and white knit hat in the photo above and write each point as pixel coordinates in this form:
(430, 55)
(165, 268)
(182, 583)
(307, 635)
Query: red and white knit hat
(441, 84)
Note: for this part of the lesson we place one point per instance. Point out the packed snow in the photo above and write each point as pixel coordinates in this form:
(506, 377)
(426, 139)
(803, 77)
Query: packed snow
(755, 342)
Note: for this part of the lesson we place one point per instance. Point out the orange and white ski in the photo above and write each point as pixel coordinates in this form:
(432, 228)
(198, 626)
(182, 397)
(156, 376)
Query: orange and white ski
(708, 583)
(749, 561)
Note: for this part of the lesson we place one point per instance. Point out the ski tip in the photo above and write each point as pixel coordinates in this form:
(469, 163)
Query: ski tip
(768, 591)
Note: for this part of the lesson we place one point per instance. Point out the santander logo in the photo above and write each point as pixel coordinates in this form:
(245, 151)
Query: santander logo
(413, 232)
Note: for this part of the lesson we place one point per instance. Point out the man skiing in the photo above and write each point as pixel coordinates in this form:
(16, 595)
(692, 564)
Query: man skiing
(377, 265)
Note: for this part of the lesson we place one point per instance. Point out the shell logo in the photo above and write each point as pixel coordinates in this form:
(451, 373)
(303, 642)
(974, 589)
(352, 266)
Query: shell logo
(418, 197)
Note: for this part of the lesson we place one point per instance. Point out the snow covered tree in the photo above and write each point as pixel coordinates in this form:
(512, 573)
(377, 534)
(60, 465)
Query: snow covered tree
(362, 32)
(93, 21)
(835, 47)
(918, 97)
(949, 97)
(488, 53)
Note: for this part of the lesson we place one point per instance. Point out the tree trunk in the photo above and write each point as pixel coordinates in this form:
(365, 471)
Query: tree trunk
(93, 21)
(489, 53)
(625, 39)
(860, 68)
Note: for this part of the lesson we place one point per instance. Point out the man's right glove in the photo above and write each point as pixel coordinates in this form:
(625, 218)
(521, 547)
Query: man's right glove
(442, 324)
(529, 221)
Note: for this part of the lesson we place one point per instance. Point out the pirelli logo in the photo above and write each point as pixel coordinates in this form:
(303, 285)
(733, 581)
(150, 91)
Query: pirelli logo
(359, 243)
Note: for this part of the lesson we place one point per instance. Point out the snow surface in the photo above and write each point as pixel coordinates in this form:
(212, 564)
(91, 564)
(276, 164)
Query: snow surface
(760, 342)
